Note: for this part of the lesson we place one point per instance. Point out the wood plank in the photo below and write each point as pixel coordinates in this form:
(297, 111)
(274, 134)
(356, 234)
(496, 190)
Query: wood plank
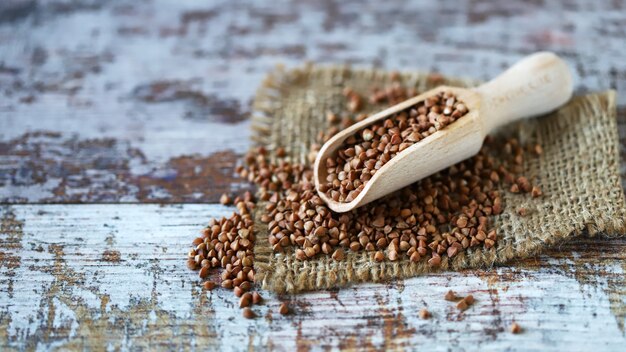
(114, 277)
(128, 101)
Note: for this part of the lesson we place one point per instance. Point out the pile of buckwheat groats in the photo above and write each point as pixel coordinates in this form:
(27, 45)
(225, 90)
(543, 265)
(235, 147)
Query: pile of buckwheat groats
(441, 215)
(365, 152)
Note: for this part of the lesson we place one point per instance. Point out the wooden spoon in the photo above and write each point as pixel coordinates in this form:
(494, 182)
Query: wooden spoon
(534, 86)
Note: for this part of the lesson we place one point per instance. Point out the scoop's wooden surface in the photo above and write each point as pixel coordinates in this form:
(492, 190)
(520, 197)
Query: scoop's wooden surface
(536, 85)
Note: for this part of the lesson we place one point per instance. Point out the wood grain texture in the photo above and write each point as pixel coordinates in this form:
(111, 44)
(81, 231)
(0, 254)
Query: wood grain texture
(147, 101)
(96, 276)
(135, 91)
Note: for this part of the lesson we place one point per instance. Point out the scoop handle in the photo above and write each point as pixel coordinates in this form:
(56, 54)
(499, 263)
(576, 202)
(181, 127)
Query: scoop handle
(536, 85)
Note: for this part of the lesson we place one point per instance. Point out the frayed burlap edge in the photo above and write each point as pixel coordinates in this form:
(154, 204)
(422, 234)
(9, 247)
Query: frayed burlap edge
(578, 172)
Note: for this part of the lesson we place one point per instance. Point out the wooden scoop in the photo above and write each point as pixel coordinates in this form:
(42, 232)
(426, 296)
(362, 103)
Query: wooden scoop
(534, 86)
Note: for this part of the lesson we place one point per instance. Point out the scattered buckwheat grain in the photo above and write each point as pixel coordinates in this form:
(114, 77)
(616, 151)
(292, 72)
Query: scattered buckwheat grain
(515, 328)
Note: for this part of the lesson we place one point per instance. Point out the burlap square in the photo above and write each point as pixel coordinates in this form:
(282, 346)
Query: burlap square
(578, 173)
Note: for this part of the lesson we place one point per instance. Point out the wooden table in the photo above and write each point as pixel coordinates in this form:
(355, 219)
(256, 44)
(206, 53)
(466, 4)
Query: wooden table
(121, 121)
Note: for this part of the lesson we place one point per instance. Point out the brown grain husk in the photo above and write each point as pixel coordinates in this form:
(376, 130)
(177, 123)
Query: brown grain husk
(578, 173)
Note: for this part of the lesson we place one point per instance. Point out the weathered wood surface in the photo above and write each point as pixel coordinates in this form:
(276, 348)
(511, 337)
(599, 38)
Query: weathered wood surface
(91, 276)
(147, 101)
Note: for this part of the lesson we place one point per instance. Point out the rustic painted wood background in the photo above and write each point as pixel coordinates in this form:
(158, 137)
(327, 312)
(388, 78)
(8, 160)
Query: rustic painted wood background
(139, 101)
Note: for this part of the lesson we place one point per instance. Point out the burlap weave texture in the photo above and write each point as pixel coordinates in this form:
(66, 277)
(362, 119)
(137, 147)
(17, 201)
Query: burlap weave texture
(578, 172)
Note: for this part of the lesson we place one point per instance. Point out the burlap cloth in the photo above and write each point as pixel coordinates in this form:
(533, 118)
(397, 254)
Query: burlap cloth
(578, 172)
